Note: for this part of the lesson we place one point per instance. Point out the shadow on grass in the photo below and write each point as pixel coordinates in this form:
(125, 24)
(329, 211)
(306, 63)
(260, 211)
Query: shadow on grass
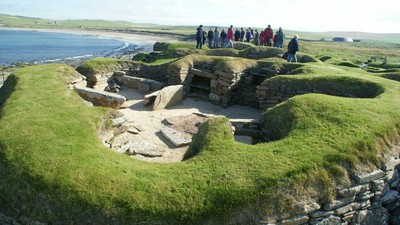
(6, 91)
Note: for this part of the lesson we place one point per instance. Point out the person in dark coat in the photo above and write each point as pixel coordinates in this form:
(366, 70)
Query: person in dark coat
(210, 36)
(237, 34)
(242, 34)
(280, 38)
(199, 37)
(276, 39)
(223, 37)
(256, 37)
(293, 47)
(204, 37)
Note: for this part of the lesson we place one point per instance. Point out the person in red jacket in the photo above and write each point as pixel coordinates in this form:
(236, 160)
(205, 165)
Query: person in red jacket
(268, 36)
(262, 38)
(229, 37)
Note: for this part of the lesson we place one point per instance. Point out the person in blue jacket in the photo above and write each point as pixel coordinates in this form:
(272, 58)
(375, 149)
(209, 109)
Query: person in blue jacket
(216, 37)
(280, 38)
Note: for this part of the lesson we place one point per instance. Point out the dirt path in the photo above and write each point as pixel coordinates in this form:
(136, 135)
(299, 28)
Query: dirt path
(153, 121)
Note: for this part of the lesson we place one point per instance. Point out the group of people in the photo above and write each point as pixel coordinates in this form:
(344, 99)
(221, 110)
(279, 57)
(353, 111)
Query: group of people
(265, 38)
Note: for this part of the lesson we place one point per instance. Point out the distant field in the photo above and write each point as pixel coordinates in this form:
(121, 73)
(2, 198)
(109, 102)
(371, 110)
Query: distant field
(372, 46)
(28, 22)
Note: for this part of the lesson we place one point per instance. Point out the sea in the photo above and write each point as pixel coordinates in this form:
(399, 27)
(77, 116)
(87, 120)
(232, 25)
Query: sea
(36, 47)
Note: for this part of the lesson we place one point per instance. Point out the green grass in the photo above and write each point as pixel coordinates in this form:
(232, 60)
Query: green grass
(51, 157)
(102, 65)
(54, 167)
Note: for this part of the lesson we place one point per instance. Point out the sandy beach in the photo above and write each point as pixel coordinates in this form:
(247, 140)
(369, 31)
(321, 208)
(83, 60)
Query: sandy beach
(147, 40)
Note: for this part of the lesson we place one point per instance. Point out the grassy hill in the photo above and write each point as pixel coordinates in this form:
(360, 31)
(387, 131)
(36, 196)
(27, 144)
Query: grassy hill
(54, 167)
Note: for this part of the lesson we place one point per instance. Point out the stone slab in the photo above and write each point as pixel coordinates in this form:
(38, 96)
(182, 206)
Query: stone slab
(168, 96)
(101, 98)
(145, 148)
(177, 138)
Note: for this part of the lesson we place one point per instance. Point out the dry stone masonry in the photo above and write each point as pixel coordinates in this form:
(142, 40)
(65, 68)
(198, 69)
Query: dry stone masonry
(374, 199)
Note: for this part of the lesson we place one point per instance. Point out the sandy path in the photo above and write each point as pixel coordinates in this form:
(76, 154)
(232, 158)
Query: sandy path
(153, 121)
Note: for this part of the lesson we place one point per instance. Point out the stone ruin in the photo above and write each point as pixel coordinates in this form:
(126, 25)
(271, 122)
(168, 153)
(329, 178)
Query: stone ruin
(204, 78)
(373, 198)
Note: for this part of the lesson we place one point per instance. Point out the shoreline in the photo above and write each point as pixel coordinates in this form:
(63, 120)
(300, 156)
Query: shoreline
(136, 43)
(122, 36)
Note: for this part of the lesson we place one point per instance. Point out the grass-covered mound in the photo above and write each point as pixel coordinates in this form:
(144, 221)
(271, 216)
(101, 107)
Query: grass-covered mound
(54, 167)
(102, 65)
(174, 51)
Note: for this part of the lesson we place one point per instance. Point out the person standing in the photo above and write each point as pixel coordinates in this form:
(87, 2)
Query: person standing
(248, 35)
(280, 38)
(199, 37)
(229, 37)
(242, 34)
(204, 37)
(223, 37)
(256, 37)
(215, 39)
(276, 39)
(268, 36)
(262, 37)
(210, 37)
(293, 47)
(237, 34)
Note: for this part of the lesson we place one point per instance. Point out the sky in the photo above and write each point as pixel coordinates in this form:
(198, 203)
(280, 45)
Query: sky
(306, 15)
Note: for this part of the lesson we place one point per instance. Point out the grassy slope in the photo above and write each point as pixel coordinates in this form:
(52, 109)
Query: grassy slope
(58, 164)
(60, 160)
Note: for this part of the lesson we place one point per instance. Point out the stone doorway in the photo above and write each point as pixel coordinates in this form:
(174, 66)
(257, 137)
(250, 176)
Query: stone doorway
(200, 85)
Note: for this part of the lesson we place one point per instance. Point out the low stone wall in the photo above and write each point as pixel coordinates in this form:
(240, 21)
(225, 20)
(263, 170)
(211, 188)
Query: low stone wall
(374, 199)
(279, 90)
(222, 85)
(177, 75)
(142, 85)
(152, 72)
(98, 81)
(269, 97)
(226, 84)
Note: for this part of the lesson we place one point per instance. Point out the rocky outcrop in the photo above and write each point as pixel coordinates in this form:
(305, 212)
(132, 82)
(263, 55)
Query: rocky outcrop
(22, 220)
(160, 46)
(101, 98)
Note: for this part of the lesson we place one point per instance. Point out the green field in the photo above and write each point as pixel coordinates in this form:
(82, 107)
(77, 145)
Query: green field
(54, 167)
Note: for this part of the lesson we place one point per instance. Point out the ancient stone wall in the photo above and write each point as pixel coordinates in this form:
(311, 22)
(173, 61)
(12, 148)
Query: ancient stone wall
(274, 92)
(373, 199)
(153, 72)
(271, 96)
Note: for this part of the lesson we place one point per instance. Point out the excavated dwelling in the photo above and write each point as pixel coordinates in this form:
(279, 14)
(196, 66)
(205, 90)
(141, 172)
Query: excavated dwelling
(224, 81)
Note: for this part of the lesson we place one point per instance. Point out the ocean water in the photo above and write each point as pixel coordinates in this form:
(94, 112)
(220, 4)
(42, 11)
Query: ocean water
(41, 47)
